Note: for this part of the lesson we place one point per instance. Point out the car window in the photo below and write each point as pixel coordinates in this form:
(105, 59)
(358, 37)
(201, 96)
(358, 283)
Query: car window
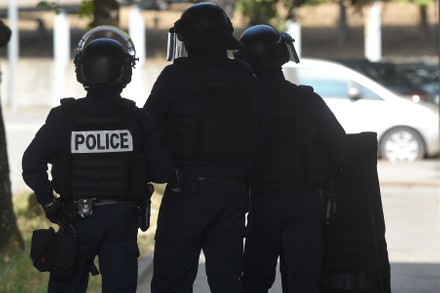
(367, 94)
(325, 83)
(330, 85)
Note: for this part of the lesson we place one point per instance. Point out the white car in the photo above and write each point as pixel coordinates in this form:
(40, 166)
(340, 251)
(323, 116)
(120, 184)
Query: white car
(406, 131)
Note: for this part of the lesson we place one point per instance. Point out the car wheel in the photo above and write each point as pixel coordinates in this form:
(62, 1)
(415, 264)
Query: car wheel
(401, 144)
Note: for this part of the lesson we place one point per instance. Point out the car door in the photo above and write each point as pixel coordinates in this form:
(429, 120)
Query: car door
(339, 93)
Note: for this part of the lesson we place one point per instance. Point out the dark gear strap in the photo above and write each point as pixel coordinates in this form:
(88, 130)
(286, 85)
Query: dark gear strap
(315, 151)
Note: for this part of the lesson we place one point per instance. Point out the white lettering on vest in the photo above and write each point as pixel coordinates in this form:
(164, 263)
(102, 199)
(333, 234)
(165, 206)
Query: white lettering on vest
(101, 141)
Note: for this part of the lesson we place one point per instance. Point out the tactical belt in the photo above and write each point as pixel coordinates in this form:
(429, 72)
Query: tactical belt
(214, 178)
(105, 202)
(85, 205)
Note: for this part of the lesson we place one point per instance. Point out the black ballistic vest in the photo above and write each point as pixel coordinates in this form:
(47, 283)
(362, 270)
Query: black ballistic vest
(101, 161)
(295, 158)
(225, 127)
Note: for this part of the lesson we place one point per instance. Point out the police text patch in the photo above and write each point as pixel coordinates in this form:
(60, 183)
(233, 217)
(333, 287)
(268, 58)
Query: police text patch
(101, 141)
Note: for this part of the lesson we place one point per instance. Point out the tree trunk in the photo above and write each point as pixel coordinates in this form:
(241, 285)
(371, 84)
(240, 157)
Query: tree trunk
(424, 29)
(105, 12)
(10, 236)
(343, 31)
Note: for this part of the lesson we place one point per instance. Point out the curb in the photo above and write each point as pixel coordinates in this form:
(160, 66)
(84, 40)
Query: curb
(409, 184)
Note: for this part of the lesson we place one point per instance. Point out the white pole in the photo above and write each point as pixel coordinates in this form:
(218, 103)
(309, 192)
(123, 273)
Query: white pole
(372, 33)
(13, 52)
(136, 30)
(61, 43)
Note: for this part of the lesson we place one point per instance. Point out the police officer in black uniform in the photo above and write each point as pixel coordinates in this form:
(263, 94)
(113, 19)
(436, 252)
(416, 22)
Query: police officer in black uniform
(103, 150)
(305, 147)
(208, 105)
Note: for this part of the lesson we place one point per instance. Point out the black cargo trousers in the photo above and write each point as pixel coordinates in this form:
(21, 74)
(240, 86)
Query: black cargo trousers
(110, 233)
(285, 224)
(207, 215)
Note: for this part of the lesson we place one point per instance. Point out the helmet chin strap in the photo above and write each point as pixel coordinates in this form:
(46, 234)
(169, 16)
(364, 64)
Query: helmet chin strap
(108, 28)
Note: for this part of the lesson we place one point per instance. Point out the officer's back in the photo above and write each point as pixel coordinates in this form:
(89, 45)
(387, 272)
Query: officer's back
(209, 107)
(104, 151)
(210, 114)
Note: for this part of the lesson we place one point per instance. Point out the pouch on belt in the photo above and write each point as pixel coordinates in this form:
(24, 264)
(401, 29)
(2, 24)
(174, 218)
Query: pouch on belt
(42, 249)
(55, 252)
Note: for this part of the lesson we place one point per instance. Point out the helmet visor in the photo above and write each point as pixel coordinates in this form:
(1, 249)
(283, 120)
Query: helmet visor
(108, 31)
(175, 47)
(293, 56)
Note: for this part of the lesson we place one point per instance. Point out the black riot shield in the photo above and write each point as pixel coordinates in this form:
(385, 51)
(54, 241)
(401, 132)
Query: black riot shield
(355, 256)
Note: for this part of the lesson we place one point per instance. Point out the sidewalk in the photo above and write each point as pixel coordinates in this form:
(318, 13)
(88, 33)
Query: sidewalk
(422, 173)
(409, 269)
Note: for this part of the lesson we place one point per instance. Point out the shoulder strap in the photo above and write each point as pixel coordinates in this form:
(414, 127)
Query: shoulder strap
(70, 104)
(131, 111)
(244, 66)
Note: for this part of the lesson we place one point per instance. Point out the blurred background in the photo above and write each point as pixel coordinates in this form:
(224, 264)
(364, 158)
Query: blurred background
(37, 65)
(392, 45)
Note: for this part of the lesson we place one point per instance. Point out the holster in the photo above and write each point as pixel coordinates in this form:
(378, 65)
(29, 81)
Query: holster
(144, 209)
(66, 254)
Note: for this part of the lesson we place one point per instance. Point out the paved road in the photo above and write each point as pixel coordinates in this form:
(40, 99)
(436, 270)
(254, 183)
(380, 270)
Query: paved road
(411, 204)
(413, 234)
(410, 197)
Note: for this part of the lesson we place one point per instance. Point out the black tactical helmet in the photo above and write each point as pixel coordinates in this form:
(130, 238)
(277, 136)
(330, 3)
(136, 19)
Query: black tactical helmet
(104, 62)
(265, 48)
(206, 25)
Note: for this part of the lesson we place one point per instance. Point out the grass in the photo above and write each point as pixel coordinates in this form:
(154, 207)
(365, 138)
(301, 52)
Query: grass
(17, 275)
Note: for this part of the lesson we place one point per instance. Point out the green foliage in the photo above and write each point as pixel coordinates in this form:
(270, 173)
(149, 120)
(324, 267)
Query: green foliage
(49, 6)
(358, 4)
(418, 2)
(299, 3)
(273, 12)
(257, 11)
(16, 275)
(86, 8)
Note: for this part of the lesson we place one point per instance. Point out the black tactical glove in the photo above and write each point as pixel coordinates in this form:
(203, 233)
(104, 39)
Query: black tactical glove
(54, 211)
